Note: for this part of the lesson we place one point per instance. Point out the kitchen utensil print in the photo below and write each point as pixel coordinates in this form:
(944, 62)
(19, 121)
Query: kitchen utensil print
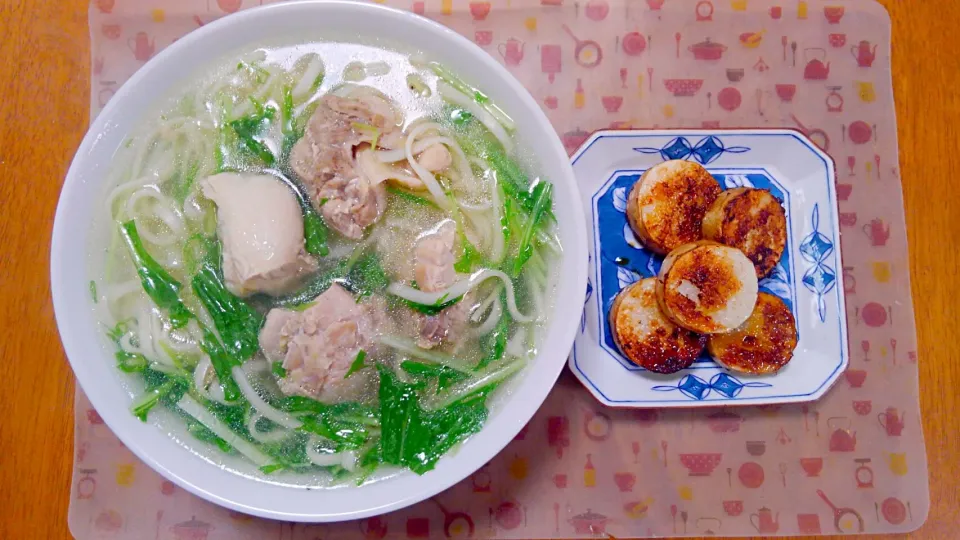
(818, 136)
(551, 60)
(733, 508)
(864, 54)
(811, 466)
(509, 515)
(709, 525)
(587, 53)
(512, 51)
(863, 474)
(751, 475)
(817, 69)
(893, 510)
(841, 437)
(558, 432)
(765, 521)
(633, 43)
(841, 515)
(833, 14)
(704, 10)
(707, 50)
(877, 232)
(142, 46)
(589, 522)
(808, 523)
(892, 421)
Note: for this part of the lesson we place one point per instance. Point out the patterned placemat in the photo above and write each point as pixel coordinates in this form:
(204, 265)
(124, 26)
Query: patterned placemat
(852, 462)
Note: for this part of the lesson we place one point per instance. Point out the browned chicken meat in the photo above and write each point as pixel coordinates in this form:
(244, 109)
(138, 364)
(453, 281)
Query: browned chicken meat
(325, 159)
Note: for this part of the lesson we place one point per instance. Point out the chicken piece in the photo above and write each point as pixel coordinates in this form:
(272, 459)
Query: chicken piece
(446, 325)
(352, 205)
(324, 159)
(317, 346)
(433, 258)
(326, 148)
(435, 158)
(434, 271)
(260, 225)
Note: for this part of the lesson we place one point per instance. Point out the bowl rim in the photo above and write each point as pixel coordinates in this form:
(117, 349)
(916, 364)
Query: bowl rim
(196, 475)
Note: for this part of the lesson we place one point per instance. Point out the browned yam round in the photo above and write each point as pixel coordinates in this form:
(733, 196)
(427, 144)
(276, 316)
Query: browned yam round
(665, 208)
(646, 336)
(707, 287)
(763, 344)
(751, 220)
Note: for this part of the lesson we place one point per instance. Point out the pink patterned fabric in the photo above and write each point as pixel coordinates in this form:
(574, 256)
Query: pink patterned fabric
(854, 459)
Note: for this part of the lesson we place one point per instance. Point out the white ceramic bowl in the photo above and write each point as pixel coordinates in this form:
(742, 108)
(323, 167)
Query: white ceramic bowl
(81, 199)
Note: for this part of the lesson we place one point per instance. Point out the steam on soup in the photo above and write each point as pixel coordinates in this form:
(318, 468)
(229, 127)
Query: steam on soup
(326, 258)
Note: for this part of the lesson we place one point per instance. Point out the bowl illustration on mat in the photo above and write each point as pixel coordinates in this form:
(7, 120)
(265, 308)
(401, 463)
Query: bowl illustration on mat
(701, 464)
(683, 87)
(811, 466)
(733, 508)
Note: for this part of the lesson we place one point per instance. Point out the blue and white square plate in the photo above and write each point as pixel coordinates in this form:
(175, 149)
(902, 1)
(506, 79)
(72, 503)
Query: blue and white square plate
(808, 277)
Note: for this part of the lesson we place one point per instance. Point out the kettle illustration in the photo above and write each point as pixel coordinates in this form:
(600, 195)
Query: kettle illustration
(863, 54)
(142, 46)
(841, 439)
(891, 421)
(816, 69)
(766, 522)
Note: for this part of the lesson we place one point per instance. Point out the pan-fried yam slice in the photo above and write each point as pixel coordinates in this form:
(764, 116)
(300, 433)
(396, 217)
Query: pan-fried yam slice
(751, 220)
(666, 206)
(646, 336)
(763, 344)
(707, 287)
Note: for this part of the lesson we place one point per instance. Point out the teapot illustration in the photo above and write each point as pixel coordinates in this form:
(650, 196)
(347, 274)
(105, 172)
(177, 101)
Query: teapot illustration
(766, 522)
(891, 421)
(863, 54)
(841, 440)
(142, 47)
(511, 51)
(877, 231)
(816, 69)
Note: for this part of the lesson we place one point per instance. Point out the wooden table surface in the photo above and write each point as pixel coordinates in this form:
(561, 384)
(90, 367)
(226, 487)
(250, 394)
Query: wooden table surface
(44, 86)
